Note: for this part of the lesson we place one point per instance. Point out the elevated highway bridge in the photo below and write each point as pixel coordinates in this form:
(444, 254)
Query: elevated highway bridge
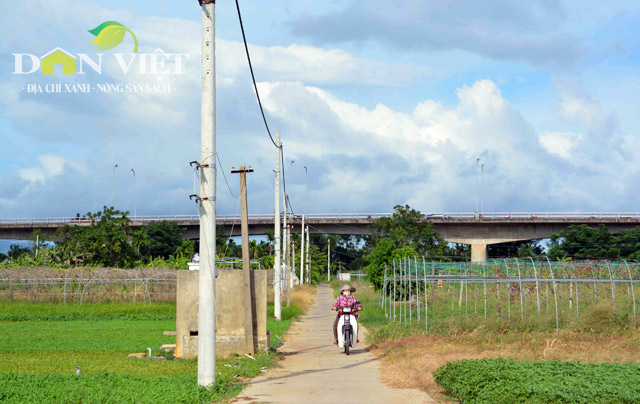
(467, 228)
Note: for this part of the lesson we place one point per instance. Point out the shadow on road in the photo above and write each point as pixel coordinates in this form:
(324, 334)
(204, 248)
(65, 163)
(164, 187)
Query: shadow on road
(306, 372)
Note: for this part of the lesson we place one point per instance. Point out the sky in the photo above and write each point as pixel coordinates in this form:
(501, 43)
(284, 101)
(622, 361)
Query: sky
(384, 102)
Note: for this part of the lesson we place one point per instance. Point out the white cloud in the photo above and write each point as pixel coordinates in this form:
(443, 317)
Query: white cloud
(314, 65)
(427, 157)
(560, 143)
(50, 167)
(359, 158)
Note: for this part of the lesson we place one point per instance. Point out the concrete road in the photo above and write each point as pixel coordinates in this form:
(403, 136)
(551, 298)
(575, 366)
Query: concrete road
(316, 371)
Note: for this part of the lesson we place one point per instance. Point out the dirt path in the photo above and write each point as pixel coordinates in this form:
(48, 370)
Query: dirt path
(316, 371)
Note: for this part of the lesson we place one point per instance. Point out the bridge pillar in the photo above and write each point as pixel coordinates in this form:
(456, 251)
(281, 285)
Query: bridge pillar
(478, 252)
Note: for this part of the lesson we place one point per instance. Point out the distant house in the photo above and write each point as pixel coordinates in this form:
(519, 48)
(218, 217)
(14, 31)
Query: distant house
(58, 56)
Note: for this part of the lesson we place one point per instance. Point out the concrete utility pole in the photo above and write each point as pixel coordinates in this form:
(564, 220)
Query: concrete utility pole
(292, 272)
(328, 258)
(207, 211)
(134, 192)
(277, 303)
(306, 194)
(113, 183)
(477, 186)
(308, 259)
(482, 189)
(285, 256)
(246, 263)
(301, 280)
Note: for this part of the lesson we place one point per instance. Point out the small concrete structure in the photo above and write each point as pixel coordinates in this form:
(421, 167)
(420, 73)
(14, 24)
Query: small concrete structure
(230, 331)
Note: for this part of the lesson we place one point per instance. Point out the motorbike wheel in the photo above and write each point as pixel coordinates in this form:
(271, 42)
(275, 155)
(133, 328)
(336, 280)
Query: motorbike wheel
(347, 341)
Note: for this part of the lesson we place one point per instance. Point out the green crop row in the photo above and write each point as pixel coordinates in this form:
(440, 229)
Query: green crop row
(506, 381)
(110, 387)
(30, 311)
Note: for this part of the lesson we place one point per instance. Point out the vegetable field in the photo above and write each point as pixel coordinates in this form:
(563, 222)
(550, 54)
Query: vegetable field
(42, 343)
(504, 381)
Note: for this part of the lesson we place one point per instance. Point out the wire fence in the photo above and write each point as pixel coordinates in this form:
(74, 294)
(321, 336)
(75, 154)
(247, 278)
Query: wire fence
(418, 291)
(84, 285)
(95, 285)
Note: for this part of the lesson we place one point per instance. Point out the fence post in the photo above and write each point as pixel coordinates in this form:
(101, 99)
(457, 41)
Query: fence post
(555, 295)
(595, 284)
(466, 292)
(395, 286)
(383, 292)
(506, 266)
(404, 288)
(415, 260)
(409, 278)
(484, 271)
(521, 295)
(633, 291)
(426, 298)
(613, 287)
(535, 274)
(577, 300)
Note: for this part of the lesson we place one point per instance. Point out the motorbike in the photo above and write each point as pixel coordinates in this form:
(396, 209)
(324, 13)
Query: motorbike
(348, 327)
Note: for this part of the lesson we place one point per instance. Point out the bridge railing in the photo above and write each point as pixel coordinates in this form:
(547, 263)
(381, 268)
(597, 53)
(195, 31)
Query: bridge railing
(346, 217)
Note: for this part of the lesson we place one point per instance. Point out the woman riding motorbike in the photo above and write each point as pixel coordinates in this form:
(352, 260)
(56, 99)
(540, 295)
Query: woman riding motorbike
(346, 299)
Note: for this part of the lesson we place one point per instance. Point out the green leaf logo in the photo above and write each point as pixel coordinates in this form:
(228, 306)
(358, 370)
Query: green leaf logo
(110, 34)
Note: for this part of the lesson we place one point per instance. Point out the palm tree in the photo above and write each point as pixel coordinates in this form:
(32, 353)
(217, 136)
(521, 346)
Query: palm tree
(271, 238)
(255, 249)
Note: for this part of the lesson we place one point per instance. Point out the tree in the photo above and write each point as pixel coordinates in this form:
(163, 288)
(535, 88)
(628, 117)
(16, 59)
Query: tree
(164, 239)
(186, 249)
(16, 250)
(140, 240)
(271, 237)
(104, 242)
(317, 263)
(583, 241)
(404, 234)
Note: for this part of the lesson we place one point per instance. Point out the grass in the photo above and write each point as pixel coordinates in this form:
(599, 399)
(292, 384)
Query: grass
(42, 343)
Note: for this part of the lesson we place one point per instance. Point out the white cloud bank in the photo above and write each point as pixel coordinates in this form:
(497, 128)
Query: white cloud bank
(360, 159)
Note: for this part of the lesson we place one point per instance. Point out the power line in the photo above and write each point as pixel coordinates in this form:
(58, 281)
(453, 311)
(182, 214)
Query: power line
(246, 48)
(255, 87)
(225, 176)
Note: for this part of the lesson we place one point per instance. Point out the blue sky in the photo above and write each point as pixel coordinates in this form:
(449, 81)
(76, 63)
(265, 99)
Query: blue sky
(385, 102)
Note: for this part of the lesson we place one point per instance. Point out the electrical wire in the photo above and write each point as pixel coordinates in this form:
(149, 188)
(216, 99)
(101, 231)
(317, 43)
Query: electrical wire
(233, 224)
(246, 48)
(225, 176)
(255, 87)
(284, 177)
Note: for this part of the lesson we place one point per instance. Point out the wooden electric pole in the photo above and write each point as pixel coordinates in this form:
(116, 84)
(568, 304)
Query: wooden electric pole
(246, 263)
